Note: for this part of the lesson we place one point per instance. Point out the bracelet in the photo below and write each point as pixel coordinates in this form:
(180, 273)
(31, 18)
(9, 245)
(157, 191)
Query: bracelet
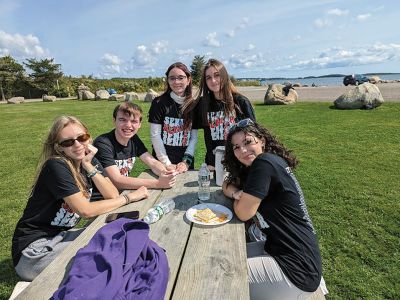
(94, 172)
(188, 159)
(126, 198)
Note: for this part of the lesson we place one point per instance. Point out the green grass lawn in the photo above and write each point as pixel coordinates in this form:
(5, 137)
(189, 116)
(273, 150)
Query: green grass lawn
(349, 172)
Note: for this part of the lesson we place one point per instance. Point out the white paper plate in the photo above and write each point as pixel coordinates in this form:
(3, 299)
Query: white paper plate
(216, 208)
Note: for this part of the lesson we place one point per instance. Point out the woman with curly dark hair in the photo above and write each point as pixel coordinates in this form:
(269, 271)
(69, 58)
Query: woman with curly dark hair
(261, 182)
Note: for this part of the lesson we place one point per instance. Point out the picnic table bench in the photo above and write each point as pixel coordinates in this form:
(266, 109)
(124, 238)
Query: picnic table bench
(206, 262)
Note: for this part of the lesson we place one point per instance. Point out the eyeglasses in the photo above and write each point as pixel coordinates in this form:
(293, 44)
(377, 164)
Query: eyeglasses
(81, 139)
(177, 78)
(241, 124)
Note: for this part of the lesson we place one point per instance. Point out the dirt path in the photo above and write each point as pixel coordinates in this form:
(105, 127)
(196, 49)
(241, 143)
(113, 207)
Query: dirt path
(390, 93)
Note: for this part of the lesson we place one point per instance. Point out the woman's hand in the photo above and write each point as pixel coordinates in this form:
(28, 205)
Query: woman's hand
(87, 160)
(139, 194)
(171, 167)
(210, 168)
(182, 167)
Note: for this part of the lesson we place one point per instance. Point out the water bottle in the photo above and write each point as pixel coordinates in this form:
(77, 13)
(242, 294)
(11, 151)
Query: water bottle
(204, 183)
(155, 213)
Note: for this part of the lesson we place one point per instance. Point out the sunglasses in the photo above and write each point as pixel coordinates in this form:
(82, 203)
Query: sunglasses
(81, 139)
(241, 124)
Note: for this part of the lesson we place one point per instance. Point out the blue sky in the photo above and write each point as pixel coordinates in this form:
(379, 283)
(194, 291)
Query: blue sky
(254, 38)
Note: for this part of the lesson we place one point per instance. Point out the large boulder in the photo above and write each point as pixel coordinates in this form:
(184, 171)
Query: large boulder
(366, 95)
(374, 79)
(280, 94)
(116, 97)
(131, 96)
(102, 95)
(47, 98)
(87, 95)
(81, 89)
(16, 100)
(150, 96)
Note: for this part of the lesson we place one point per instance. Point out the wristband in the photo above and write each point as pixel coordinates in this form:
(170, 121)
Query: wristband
(94, 172)
(188, 159)
(126, 198)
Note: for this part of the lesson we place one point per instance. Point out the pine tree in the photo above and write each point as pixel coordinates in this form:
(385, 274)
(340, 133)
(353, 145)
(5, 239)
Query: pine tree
(197, 68)
(45, 74)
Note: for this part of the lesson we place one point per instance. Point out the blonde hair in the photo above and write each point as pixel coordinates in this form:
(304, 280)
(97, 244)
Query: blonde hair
(51, 149)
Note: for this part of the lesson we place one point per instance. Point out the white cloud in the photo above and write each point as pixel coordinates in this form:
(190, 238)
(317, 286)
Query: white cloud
(337, 12)
(320, 23)
(110, 64)
(20, 46)
(231, 33)
(211, 40)
(296, 38)
(363, 17)
(159, 47)
(143, 57)
(249, 47)
(184, 53)
(243, 23)
(146, 57)
(338, 57)
(240, 61)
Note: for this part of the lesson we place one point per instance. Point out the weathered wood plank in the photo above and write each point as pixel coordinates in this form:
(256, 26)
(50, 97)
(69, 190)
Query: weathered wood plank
(215, 262)
(47, 282)
(172, 231)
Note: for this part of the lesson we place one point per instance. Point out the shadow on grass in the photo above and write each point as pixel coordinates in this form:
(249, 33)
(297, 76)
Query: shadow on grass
(8, 278)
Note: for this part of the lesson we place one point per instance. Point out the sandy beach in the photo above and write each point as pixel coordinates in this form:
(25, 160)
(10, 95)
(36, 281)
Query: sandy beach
(390, 92)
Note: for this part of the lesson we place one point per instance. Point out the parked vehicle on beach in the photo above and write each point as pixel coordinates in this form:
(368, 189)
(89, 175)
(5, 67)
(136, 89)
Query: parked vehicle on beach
(354, 79)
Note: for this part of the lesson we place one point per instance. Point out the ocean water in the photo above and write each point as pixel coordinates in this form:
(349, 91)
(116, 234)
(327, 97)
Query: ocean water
(324, 81)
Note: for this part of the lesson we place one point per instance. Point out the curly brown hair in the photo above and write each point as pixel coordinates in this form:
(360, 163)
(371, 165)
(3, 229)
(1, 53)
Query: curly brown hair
(236, 170)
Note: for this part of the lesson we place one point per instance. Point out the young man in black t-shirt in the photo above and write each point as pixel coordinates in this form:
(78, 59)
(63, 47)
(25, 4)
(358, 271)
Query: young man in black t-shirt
(118, 149)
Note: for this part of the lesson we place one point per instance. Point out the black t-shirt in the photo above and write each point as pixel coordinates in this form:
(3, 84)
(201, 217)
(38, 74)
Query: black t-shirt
(291, 238)
(166, 112)
(112, 153)
(46, 213)
(216, 131)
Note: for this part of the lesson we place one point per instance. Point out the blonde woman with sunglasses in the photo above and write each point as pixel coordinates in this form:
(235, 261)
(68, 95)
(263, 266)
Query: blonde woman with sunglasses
(66, 174)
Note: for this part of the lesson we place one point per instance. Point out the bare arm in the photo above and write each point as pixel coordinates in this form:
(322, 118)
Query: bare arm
(103, 184)
(79, 204)
(244, 205)
(123, 182)
(156, 166)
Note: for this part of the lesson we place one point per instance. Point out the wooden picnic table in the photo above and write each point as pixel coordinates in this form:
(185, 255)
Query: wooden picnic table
(206, 262)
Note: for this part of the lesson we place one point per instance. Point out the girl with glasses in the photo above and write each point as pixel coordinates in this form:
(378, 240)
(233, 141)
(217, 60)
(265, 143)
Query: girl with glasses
(220, 106)
(66, 174)
(287, 265)
(172, 134)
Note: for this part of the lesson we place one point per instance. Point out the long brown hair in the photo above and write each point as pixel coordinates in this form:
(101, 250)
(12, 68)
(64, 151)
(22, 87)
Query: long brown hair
(51, 149)
(235, 168)
(227, 90)
(187, 118)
